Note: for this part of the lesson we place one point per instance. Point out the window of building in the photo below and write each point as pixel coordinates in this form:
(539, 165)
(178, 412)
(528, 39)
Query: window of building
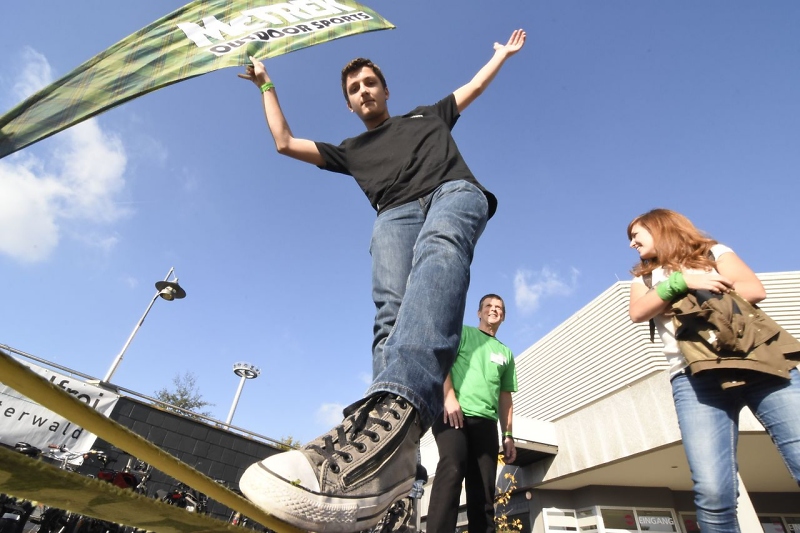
(461, 521)
(636, 520)
(772, 524)
(689, 521)
(656, 520)
(780, 524)
(610, 520)
(587, 520)
(792, 523)
(618, 520)
(556, 520)
(559, 520)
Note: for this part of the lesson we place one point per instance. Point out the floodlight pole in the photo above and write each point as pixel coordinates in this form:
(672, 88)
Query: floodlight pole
(245, 371)
(164, 293)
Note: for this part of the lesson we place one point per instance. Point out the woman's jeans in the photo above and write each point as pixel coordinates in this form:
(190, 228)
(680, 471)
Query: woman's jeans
(709, 423)
(421, 256)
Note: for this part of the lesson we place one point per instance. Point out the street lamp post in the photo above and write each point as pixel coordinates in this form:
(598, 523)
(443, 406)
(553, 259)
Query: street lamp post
(245, 371)
(168, 290)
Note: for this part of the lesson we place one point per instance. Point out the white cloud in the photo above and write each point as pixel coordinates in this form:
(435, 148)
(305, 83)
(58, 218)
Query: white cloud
(29, 227)
(92, 167)
(330, 414)
(530, 287)
(37, 74)
(97, 240)
(79, 182)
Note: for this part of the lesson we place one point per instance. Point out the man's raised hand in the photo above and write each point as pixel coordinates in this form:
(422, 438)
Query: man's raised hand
(514, 44)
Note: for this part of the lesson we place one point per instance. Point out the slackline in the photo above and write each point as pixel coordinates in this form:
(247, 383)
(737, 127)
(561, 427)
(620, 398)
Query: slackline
(38, 481)
(20, 475)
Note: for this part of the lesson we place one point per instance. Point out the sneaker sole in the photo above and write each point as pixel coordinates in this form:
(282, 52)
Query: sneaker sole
(313, 511)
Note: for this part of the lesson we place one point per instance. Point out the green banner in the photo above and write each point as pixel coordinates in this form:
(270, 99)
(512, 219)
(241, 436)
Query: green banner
(200, 37)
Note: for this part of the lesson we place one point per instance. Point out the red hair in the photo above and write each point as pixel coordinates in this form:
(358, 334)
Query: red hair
(678, 243)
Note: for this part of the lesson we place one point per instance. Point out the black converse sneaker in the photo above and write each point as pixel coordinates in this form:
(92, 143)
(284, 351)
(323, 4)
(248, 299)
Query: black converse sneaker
(345, 480)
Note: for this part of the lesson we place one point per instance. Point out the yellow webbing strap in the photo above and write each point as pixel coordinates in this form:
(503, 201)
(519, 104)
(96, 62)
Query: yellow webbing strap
(38, 389)
(41, 482)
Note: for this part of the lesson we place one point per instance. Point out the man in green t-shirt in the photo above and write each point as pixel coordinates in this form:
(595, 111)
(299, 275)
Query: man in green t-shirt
(477, 394)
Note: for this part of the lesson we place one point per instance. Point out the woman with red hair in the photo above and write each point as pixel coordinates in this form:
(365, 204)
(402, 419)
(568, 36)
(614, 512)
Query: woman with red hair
(677, 259)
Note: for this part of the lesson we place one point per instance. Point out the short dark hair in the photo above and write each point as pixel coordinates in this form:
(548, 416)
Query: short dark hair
(357, 64)
(480, 304)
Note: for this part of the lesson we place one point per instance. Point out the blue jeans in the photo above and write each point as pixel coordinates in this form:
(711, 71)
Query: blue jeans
(709, 422)
(421, 256)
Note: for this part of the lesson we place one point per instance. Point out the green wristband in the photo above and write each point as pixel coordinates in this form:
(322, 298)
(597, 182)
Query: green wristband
(664, 291)
(678, 284)
(674, 286)
(267, 86)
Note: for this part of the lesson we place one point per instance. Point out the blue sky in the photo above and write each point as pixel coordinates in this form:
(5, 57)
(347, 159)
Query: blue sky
(612, 108)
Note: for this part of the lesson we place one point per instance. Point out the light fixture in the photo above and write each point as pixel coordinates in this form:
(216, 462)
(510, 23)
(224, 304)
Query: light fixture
(168, 290)
(245, 371)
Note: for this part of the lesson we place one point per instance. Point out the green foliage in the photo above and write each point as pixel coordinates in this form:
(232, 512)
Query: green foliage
(289, 443)
(184, 395)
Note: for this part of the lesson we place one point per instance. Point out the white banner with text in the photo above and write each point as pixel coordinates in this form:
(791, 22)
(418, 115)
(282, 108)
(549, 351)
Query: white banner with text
(22, 420)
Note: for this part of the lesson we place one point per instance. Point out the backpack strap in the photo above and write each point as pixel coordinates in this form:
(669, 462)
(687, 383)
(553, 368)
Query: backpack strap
(648, 281)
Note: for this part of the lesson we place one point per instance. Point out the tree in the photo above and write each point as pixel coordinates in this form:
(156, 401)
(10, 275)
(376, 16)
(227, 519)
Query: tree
(289, 443)
(185, 395)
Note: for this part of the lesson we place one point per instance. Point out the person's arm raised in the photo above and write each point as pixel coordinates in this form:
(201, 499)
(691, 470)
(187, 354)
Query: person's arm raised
(467, 94)
(285, 142)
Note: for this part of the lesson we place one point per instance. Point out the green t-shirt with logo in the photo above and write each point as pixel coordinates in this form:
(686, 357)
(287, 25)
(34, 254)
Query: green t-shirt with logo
(483, 368)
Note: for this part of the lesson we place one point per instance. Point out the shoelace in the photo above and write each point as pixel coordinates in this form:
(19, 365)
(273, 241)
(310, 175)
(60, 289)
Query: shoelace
(360, 419)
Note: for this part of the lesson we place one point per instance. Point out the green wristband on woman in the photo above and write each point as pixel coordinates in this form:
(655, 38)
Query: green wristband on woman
(674, 286)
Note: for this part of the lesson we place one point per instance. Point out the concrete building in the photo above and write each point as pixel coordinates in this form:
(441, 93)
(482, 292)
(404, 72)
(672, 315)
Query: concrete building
(600, 449)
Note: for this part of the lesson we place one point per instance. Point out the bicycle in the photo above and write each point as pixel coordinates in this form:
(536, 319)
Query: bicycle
(54, 520)
(14, 512)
